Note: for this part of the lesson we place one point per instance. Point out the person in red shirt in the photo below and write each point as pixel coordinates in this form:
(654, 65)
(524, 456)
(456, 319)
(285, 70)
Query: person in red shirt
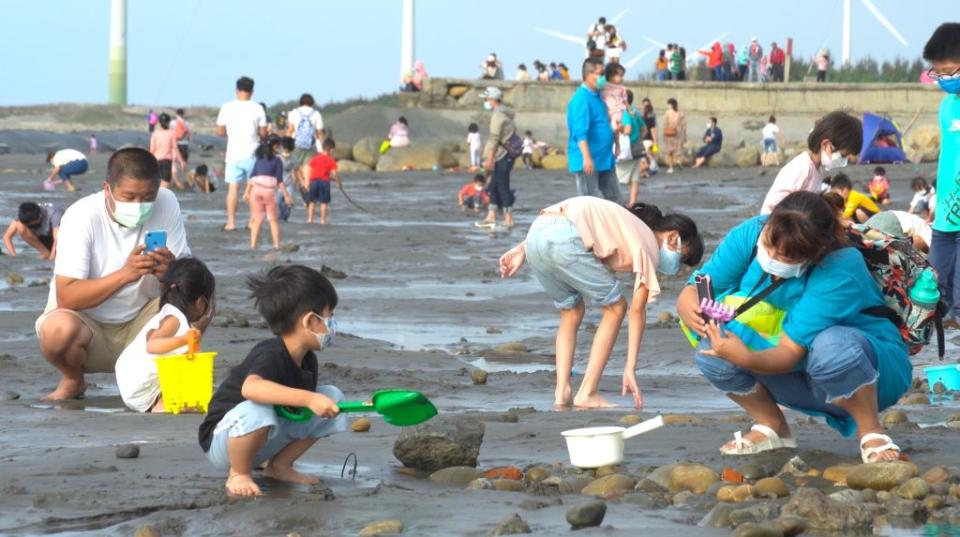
(323, 167)
(473, 195)
(777, 59)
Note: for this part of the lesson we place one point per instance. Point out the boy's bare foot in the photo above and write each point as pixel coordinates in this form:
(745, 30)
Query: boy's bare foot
(67, 389)
(242, 485)
(288, 474)
(562, 398)
(591, 402)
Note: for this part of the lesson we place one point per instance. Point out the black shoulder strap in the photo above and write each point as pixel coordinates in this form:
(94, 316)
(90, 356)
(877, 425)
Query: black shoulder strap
(755, 299)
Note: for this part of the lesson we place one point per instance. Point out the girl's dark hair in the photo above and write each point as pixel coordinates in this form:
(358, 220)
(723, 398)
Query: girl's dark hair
(918, 183)
(879, 170)
(403, 120)
(944, 44)
(473, 128)
(772, 119)
(663, 53)
(796, 228)
(186, 280)
(844, 131)
(522, 66)
(673, 102)
(613, 69)
(265, 151)
(684, 225)
(164, 120)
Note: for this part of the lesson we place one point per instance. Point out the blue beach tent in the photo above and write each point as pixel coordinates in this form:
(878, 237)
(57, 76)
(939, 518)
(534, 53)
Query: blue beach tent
(878, 136)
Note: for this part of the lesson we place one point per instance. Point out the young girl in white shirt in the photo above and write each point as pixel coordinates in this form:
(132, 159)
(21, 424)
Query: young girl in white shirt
(473, 143)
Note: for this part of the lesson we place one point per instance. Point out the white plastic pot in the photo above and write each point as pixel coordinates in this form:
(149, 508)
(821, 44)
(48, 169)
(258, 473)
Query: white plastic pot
(593, 447)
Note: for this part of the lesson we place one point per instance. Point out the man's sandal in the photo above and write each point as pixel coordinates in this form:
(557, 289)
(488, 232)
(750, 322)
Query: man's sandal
(867, 454)
(743, 446)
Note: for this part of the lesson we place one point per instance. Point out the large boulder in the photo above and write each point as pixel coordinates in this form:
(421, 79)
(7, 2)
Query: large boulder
(747, 157)
(923, 143)
(440, 443)
(726, 158)
(554, 162)
(343, 151)
(417, 157)
(352, 166)
(367, 150)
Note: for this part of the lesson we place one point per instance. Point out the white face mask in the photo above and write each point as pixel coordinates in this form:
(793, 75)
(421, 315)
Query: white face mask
(325, 339)
(487, 105)
(834, 161)
(778, 268)
(131, 213)
(709, 126)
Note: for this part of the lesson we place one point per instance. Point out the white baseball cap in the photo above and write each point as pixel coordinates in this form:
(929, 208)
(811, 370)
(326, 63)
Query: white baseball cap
(492, 92)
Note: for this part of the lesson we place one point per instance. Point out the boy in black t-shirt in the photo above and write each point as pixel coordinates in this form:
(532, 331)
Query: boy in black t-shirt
(242, 429)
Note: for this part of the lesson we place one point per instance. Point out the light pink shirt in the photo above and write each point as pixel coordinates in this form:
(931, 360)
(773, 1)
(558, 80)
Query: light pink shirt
(800, 174)
(615, 236)
(163, 144)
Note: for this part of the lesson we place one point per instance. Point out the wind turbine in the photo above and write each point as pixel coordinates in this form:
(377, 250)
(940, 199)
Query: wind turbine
(580, 40)
(847, 16)
(407, 51)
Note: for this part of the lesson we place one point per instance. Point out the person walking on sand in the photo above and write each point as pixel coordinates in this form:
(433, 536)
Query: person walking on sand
(305, 126)
(244, 123)
(574, 249)
(770, 135)
(184, 137)
(498, 159)
(674, 134)
(163, 145)
(590, 149)
(261, 193)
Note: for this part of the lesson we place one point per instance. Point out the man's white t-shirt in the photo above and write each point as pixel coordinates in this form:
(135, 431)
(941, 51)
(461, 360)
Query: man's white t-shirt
(66, 156)
(295, 115)
(242, 120)
(800, 174)
(770, 131)
(92, 245)
(913, 225)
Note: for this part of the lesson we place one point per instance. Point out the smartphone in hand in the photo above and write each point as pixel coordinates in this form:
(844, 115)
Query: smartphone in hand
(155, 239)
(704, 290)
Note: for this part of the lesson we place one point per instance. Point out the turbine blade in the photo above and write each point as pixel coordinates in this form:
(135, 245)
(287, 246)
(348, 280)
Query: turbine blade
(566, 37)
(660, 44)
(636, 59)
(619, 16)
(884, 22)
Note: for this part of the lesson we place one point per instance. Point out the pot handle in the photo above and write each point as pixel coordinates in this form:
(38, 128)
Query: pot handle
(646, 426)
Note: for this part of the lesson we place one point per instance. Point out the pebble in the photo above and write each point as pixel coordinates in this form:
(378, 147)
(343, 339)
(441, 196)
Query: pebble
(504, 472)
(481, 483)
(953, 418)
(289, 247)
(390, 526)
(913, 489)
(507, 485)
(8, 395)
(494, 330)
(795, 466)
(682, 419)
(361, 425)
(513, 347)
(630, 419)
(752, 472)
(128, 451)
(847, 496)
(894, 417)
(838, 473)
(933, 503)
(789, 525)
(718, 516)
(826, 515)
(146, 530)
(537, 474)
(14, 278)
(880, 475)
(937, 474)
(694, 477)
(665, 317)
(457, 476)
(587, 514)
(564, 485)
(610, 469)
(771, 487)
(479, 376)
(916, 399)
(512, 525)
(903, 508)
(883, 496)
(756, 512)
(749, 529)
(609, 486)
(939, 388)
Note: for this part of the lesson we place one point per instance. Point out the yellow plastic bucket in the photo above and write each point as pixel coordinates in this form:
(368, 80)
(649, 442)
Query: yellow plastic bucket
(186, 381)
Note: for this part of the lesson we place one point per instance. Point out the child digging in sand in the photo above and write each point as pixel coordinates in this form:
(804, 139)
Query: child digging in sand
(186, 304)
(242, 430)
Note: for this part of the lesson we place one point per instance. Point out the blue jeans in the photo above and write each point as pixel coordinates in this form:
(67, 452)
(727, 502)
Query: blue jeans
(599, 185)
(944, 259)
(840, 362)
(754, 71)
(501, 196)
(249, 417)
(769, 145)
(568, 272)
(74, 167)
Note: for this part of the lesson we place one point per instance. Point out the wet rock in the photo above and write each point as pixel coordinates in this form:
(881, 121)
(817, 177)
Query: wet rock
(914, 488)
(513, 347)
(795, 467)
(686, 499)
(880, 475)
(718, 516)
(604, 471)
(657, 480)
(332, 273)
(725, 493)
(534, 504)
(629, 419)
(440, 443)
(646, 500)
(741, 493)
(838, 473)
(894, 417)
(869, 495)
(694, 477)
(682, 419)
(937, 474)
(883, 496)
(904, 509)
(750, 529)
(504, 472)
(847, 496)
(456, 476)
(507, 485)
(916, 399)
(512, 525)
(953, 417)
(537, 474)
(753, 472)
(481, 483)
(361, 425)
(773, 487)
(7, 395)
(791, 526)
(147, 530)
(823, 514)
(559, 485)
(128, 451)
(758, 513)
(289, 247)
(587, 514)
(479, 376)
(939, 388)
(609, 486)
(933, 503)
(382, 527)
(14, 278)
(494, 330)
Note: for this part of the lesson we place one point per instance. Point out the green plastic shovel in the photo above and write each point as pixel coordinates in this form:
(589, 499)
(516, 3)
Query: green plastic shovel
(398, 407)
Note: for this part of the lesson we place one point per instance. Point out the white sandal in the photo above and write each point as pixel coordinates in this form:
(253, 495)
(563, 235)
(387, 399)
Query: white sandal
(867, 452)
(742, 446)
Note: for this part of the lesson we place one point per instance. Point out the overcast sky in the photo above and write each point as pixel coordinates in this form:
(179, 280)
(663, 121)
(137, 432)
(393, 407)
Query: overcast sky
(185, 52)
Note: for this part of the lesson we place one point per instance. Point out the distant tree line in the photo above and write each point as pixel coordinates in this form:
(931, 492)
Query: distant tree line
(864, 70)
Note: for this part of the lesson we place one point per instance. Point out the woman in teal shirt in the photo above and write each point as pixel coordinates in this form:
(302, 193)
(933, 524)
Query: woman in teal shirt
(807, 345)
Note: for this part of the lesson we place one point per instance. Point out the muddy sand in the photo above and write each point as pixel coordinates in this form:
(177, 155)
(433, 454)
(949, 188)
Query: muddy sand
(420, 308)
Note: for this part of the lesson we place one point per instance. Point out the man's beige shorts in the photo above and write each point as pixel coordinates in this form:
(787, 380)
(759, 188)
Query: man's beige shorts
(109, 339)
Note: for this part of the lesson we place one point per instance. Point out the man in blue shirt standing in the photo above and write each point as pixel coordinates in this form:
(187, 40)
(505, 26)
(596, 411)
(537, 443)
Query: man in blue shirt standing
(590, 150)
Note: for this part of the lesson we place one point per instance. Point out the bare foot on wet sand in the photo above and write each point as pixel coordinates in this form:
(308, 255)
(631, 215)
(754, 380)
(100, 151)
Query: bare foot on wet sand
(288, 474)
(591, 402)
(67, 389)
(242, 485)
(562, 399)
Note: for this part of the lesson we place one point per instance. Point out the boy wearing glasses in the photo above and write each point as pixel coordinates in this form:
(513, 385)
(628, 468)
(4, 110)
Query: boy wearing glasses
(943, 53)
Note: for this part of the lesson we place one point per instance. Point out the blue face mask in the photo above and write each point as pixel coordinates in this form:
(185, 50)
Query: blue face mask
(601, 82)
(950, 85)
(669, 263)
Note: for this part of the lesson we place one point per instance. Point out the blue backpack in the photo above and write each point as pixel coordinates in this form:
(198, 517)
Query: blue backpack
(303, 137)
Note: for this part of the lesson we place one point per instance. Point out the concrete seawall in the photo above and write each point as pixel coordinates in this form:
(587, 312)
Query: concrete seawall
(722, 99)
